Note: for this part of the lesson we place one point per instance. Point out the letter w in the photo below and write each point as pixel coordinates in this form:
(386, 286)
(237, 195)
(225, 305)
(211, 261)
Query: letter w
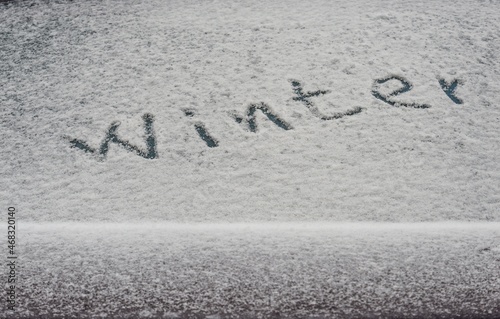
(111, 137)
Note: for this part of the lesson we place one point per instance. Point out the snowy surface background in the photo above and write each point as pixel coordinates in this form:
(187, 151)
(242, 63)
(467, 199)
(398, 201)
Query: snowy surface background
(341, 270)
(71, 68)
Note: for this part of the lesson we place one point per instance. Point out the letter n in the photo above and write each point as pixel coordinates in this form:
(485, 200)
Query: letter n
(251, 117)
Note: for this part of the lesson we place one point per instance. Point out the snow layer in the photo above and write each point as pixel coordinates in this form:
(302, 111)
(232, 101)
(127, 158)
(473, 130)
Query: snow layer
(288, 270)
(71, 68)
(85, 74)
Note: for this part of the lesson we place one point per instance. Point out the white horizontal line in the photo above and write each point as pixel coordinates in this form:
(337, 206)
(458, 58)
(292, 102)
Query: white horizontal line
(355, 226)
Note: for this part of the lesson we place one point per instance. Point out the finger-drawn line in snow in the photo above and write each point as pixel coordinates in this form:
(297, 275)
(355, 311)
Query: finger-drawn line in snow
(407, 86)
(250, 117)
(264, 108)
(112, 137)
(305, 98)
(449, 89)
(202, 131)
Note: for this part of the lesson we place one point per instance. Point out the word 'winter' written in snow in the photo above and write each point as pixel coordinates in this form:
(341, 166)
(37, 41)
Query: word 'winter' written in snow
(249, 118)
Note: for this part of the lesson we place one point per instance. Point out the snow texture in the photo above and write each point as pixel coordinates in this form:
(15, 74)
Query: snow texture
(326, 270)
(251, 158)
(72, 68)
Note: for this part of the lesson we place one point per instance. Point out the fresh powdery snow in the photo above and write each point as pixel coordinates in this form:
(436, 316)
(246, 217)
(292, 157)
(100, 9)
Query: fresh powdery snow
(251, 158)
(260, 270)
